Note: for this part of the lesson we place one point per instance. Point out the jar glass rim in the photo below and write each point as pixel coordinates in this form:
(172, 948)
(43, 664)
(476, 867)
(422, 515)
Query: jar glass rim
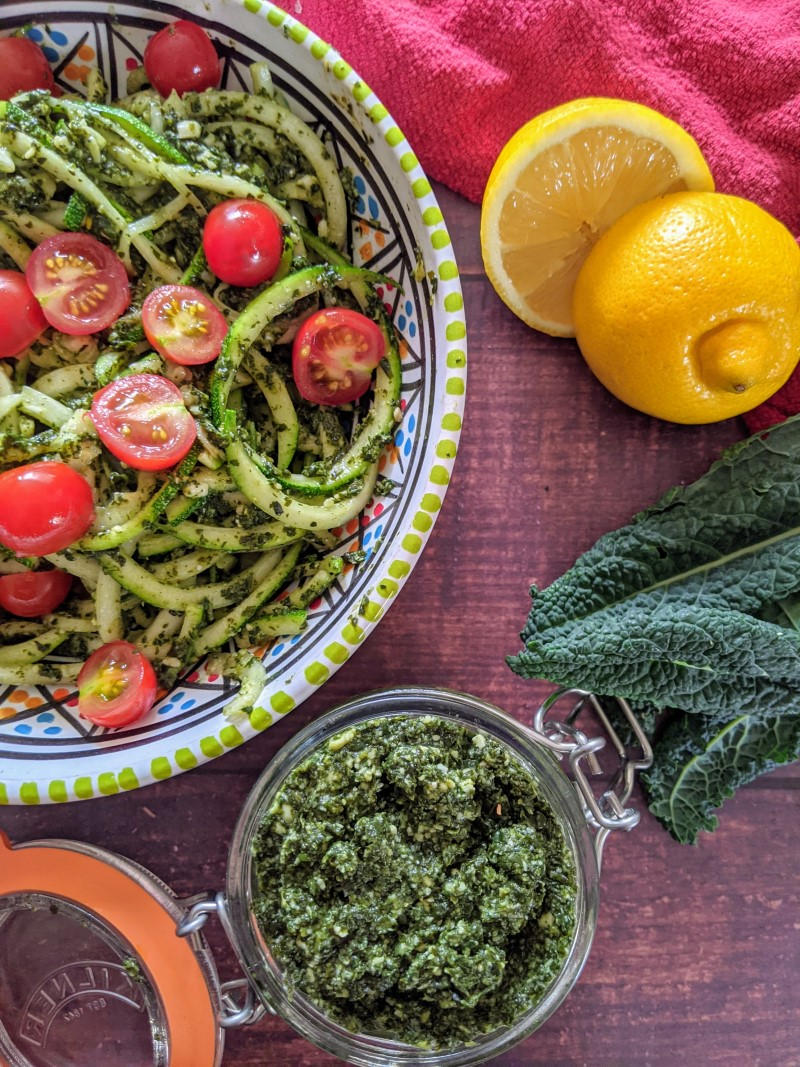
(249, 941)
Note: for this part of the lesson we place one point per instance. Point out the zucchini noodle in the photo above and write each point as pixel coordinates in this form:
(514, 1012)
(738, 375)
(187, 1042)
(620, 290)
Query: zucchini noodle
(226, 551)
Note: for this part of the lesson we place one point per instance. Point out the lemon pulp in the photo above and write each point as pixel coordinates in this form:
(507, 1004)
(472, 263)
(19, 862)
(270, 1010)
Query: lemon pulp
(560, 182)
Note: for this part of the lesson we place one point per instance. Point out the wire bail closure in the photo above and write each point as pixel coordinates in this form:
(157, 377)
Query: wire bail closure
(231, 1013)
(606, 810)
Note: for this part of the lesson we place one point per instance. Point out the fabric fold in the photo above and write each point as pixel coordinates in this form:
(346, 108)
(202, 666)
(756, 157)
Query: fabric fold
(461, 76)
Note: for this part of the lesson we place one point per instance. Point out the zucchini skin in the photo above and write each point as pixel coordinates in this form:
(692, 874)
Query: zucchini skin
(271, 498)
(115, 536)
(301, 507)
(260, 312)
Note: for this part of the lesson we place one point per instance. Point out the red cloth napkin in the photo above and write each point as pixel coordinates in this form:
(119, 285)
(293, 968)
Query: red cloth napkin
(460, 76)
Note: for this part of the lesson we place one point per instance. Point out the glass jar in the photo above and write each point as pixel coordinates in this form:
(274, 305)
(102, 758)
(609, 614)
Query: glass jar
(265, 971)
(132, 945)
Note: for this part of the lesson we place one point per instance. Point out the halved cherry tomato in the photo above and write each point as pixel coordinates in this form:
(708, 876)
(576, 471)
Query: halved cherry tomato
(243, 242)
(183, 324)
(143, 420)
(21, 318)
(44, 507)
(23, 66)
(80, 283)
(334, 354)
(33, 593)
(116, 685)
(181, 57)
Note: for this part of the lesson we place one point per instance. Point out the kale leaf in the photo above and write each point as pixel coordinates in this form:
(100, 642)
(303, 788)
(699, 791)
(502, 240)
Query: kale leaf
(692, 606)
(698, 763)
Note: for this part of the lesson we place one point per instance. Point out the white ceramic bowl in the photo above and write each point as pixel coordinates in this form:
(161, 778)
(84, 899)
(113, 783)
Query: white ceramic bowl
(48, 754)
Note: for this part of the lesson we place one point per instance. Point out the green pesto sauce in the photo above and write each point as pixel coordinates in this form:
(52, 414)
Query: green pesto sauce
(413, 882)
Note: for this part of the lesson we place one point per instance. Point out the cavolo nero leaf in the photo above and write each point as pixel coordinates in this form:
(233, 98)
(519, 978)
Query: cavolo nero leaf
(699, 763)
(693, 606)
(675, 655)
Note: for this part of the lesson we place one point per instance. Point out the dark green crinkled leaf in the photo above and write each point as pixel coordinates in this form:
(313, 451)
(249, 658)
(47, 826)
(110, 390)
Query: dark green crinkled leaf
(698, 764)
(694, 606)
(748, 498)
(676, 655)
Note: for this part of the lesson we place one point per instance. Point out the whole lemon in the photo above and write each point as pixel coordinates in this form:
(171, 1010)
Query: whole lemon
(688, 307)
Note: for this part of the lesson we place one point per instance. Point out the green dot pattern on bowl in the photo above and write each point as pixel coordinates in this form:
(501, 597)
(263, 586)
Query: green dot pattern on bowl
(437, 270)
(372, 611)
(317, 673)
(281, 703)
(387, 587)
(260, 718)
(230, 736)
(353, 633)
(57, 791)
(185, 759)
(127, 778)
(83, 788)
(210, 747)
(107, 784)
(160, 767)
(412, 543)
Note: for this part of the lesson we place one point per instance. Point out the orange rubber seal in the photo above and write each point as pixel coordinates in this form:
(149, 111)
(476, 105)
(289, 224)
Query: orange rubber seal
(146, 925)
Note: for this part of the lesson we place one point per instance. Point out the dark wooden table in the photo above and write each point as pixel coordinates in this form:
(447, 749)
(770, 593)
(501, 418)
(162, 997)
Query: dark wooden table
(697, 955)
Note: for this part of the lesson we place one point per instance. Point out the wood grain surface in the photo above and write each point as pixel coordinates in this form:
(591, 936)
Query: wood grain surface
(696, 959)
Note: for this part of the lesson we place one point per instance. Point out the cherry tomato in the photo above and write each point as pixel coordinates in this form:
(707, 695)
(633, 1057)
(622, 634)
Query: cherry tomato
(80, 283)
(116, 685)
(21, 318)
(183, 324)
(243, 242)
(181, 57)
(334, 354)
(142, 419)
(44, 507)
(33, 593)
(23, 66)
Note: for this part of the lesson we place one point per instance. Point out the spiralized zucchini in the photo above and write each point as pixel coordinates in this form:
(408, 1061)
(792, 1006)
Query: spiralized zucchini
(192, 560)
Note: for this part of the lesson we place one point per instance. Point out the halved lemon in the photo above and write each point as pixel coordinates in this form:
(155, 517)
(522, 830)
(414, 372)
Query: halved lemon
(560, 182)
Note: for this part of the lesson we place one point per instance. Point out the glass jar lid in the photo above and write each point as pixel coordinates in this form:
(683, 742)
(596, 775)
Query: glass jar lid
(91, 968)
(100, 963)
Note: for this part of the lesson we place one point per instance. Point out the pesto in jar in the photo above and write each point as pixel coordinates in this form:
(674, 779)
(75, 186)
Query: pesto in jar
(413, 882)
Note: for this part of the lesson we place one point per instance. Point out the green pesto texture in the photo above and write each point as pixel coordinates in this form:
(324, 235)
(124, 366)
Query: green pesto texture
(414, 883)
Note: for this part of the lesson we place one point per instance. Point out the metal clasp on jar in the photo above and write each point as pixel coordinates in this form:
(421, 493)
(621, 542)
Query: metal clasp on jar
(605, 809)
(232, 1011)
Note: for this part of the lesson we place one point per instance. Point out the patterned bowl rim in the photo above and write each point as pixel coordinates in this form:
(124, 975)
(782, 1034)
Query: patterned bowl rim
(434, 474)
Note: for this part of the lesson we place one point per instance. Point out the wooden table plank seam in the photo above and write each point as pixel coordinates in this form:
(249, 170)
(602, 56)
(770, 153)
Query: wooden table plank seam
(697, 955)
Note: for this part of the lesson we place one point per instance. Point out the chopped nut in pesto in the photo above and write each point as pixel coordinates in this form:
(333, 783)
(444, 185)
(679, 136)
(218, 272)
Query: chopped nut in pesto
(414, 883)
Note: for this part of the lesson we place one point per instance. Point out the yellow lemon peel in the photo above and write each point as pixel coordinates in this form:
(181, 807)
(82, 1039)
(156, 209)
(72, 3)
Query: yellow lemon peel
(688, 308)
(560, 182)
